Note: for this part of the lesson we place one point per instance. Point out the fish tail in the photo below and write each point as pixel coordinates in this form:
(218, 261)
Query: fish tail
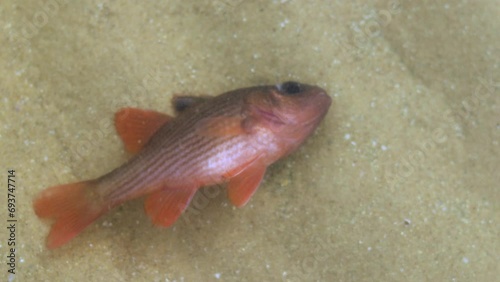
(73, 207)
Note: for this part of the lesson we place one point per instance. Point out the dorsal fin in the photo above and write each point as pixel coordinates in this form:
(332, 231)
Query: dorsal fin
(182, 103)
(137, 126)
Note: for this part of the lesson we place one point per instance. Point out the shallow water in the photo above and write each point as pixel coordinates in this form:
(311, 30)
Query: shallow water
(399, 183)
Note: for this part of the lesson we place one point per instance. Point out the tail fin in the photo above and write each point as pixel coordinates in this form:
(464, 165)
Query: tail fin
(72, 207)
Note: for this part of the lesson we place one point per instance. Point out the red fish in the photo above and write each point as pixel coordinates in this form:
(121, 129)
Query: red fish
(231, 138)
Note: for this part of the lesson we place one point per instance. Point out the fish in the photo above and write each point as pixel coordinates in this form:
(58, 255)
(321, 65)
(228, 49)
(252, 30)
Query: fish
(227, 139)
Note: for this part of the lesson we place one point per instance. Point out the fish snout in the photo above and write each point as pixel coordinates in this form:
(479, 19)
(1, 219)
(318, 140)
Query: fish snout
(322, 102)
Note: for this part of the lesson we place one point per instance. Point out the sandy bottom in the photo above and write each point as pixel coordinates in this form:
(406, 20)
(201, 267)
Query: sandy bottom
(399, 183)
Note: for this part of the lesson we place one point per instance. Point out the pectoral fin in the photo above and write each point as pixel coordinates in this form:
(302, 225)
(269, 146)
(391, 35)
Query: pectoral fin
(136, 126)
(242, 186)
(166, 205)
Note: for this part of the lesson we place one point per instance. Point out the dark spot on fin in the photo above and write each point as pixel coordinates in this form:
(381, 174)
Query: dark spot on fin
(181, 103)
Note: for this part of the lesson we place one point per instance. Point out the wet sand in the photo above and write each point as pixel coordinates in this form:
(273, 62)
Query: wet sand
(399, 183)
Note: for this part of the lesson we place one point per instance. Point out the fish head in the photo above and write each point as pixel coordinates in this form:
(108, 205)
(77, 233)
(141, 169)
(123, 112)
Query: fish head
(291, 110)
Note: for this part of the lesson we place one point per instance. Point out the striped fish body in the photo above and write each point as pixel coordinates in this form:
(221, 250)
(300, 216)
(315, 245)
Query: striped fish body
(229, 138)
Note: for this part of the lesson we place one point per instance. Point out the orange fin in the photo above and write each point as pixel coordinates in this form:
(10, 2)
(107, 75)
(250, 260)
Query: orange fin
(221, 126)
(182, 103)
(136, 126)
(71, 207)
(166, 205)
(242, 186)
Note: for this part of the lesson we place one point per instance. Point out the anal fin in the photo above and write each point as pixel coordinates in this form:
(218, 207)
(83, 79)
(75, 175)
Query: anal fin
(166, 205)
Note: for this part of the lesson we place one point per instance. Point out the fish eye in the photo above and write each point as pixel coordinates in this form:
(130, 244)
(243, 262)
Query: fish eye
(290, 88)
